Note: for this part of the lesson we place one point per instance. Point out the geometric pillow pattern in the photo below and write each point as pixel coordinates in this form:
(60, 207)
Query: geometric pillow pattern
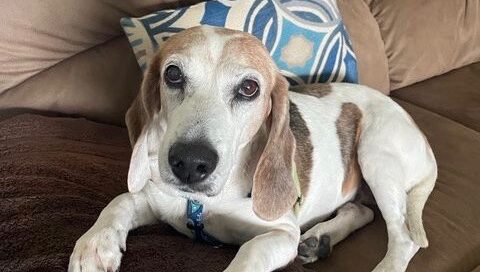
(306, 38)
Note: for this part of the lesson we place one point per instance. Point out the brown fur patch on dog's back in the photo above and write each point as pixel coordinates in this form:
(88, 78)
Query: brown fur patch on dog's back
(304, 148)
(348, 130)
(318, 90)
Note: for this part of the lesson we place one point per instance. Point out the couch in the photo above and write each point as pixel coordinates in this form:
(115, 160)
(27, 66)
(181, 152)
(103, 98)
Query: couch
(67, 76)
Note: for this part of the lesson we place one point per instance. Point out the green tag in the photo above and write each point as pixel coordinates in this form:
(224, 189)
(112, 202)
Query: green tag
(296, 181)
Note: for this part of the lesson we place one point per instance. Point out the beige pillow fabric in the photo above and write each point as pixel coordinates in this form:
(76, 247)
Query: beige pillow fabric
(37, 35)
(425, 38)
(367, 43)
(98, 83)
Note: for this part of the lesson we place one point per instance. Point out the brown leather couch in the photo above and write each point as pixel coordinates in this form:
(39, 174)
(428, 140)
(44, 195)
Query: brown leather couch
(67, 76)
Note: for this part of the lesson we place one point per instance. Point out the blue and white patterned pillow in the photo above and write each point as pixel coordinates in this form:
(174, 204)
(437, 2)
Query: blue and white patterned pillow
(306, 38)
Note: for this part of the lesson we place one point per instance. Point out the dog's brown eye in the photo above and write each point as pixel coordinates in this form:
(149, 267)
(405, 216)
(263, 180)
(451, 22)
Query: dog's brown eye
(174, 76)
(249, 88)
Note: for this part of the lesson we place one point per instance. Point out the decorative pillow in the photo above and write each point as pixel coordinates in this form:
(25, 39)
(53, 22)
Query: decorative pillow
(306, 39)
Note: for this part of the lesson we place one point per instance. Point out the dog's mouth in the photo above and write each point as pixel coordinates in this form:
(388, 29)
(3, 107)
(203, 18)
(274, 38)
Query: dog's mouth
(204, 188)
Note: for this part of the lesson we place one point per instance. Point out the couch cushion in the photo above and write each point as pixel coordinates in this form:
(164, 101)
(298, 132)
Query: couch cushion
(455, 95)
(37, 35)
(367, 43)
(425, 38)
(98, 83)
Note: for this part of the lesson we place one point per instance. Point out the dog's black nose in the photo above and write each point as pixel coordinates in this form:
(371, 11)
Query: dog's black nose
(192, 162)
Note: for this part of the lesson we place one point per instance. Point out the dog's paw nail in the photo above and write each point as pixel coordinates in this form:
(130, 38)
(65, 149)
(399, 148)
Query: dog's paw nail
(307, 250)
(324, 248)
(307, 247)
(311, 242)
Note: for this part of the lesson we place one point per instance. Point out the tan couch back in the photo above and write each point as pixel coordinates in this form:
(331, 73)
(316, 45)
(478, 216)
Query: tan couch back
(70, 56)
(399, 43)
(425, 38)
(367, 44)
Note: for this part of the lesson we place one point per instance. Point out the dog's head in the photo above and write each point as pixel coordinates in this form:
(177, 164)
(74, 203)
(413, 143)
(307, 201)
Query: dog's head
(205, 96)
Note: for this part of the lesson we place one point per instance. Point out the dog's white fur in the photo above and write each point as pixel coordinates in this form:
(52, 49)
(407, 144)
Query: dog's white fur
(394, 157)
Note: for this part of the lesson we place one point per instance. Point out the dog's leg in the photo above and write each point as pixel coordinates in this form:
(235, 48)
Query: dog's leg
(387, 185)
(318, 241)
(266, 245)
(401, 248)
(266, 252)
(100, 248)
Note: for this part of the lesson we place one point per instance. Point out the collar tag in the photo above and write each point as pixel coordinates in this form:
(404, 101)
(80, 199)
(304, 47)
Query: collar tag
(195, 224)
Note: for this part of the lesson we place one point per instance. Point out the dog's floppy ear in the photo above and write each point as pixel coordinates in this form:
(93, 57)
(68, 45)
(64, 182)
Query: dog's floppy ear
(147, 102)
(274, 192)
(139, 170)
(139, 120)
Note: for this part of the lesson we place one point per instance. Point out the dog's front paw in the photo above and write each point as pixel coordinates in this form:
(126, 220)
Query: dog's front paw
(99, 249)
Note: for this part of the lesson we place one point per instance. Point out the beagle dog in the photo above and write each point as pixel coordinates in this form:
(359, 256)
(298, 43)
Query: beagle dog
(225, 152)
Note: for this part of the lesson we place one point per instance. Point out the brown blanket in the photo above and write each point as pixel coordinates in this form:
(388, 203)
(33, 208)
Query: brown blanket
(56, 175)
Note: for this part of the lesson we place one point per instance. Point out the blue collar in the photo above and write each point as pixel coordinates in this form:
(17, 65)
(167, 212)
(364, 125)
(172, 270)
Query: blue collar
(195, 224)
(195, 214)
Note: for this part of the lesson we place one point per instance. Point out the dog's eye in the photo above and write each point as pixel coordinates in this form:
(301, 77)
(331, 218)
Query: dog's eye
(174, 76)
(248, 89)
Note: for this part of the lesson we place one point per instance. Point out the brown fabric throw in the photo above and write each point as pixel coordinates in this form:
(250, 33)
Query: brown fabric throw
(56, 175)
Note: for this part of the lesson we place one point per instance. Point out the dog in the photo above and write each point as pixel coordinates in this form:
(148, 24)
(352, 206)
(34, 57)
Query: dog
(225, 152)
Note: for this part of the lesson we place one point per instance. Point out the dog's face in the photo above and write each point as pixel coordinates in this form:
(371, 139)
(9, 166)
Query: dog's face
(214, 96)
(209, 91)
